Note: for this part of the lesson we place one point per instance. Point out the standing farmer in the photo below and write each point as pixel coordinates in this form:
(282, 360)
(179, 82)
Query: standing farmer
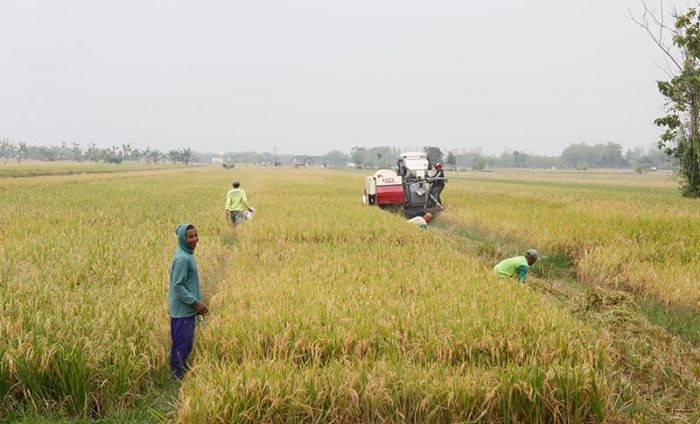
(184, 298)
(236, 203)
(438, 181)
(516, 266)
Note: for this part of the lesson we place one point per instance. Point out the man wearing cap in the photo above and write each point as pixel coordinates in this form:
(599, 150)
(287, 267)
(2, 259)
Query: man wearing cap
(439, 181)
(516, 266)
(236, 203)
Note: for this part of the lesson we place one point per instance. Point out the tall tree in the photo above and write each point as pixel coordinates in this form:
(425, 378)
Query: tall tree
(7, 148)
(152, 155)
(681, 124)
(336, 157)
(92, 152)
(174, 156)
(359, 155)
(451, 160)
(22, 150)
(186, 155)
(434, 154)
(76, 152)
(479, 163)
(520, 159)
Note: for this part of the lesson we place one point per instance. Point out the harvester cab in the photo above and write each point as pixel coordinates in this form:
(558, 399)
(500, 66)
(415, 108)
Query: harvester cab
(409, 186)
(413, 165)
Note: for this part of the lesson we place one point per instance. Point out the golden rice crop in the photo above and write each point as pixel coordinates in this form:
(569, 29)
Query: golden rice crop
(35, 169)
(322, 309)
(84, 260)
(626, 236)
(333, 311)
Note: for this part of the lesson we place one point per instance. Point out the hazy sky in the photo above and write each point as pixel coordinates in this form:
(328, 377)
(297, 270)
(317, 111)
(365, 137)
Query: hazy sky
(308, 76)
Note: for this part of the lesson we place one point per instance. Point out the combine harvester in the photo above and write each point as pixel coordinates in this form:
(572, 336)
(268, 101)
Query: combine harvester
(407, 188)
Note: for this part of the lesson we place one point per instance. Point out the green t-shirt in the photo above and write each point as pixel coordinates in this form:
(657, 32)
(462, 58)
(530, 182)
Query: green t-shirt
(512, 267)
(236, 200)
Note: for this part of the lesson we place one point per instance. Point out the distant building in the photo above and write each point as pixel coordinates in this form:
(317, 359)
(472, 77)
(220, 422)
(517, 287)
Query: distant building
(217, 160)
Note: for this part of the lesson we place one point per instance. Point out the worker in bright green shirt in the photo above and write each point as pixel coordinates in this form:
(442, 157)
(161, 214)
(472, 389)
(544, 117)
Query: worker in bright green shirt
(516, 266)
(236, 203)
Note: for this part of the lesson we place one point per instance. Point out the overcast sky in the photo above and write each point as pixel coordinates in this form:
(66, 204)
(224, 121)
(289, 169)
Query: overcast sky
(309, 76)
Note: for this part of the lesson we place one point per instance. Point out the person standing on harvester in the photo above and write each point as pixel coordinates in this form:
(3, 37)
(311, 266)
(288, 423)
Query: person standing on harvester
(516, 266)
(236, 203)
(184, 298)
(439, 181)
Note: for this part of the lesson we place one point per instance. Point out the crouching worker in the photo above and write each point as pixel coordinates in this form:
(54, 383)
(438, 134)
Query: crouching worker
(184, 298)
(237, 204)
(516, 266)
(421, 221)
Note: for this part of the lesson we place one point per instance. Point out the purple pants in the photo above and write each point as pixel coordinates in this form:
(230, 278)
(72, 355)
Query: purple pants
(182, 334)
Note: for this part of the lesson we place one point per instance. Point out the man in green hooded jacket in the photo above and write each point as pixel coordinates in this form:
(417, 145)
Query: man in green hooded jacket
(184, 298)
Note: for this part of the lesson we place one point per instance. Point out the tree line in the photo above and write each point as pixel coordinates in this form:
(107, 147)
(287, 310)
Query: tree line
(575, 156)
(579, 156)
(20, 151)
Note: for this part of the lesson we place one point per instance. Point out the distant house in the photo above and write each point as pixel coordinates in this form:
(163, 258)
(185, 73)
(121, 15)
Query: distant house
(217, 160)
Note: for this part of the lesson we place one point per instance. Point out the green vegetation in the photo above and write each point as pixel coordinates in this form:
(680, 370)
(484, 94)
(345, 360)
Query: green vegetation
(681, 124)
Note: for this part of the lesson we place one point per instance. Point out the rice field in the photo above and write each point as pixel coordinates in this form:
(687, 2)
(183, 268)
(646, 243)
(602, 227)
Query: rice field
(323, 309)
(9, 168)
(625, 231)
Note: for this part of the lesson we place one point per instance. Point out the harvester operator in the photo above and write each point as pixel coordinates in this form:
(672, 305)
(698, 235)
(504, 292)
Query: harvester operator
(516, 266)
(236, 203)
(438, 181)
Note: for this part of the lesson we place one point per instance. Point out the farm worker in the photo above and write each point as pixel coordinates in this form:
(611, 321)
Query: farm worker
(421, 221)
(184, 298)
(439, 181)
(516, 266)
(237, 203)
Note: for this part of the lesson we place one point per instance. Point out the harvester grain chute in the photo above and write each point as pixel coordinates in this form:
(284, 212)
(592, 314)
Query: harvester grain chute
(408, 187)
